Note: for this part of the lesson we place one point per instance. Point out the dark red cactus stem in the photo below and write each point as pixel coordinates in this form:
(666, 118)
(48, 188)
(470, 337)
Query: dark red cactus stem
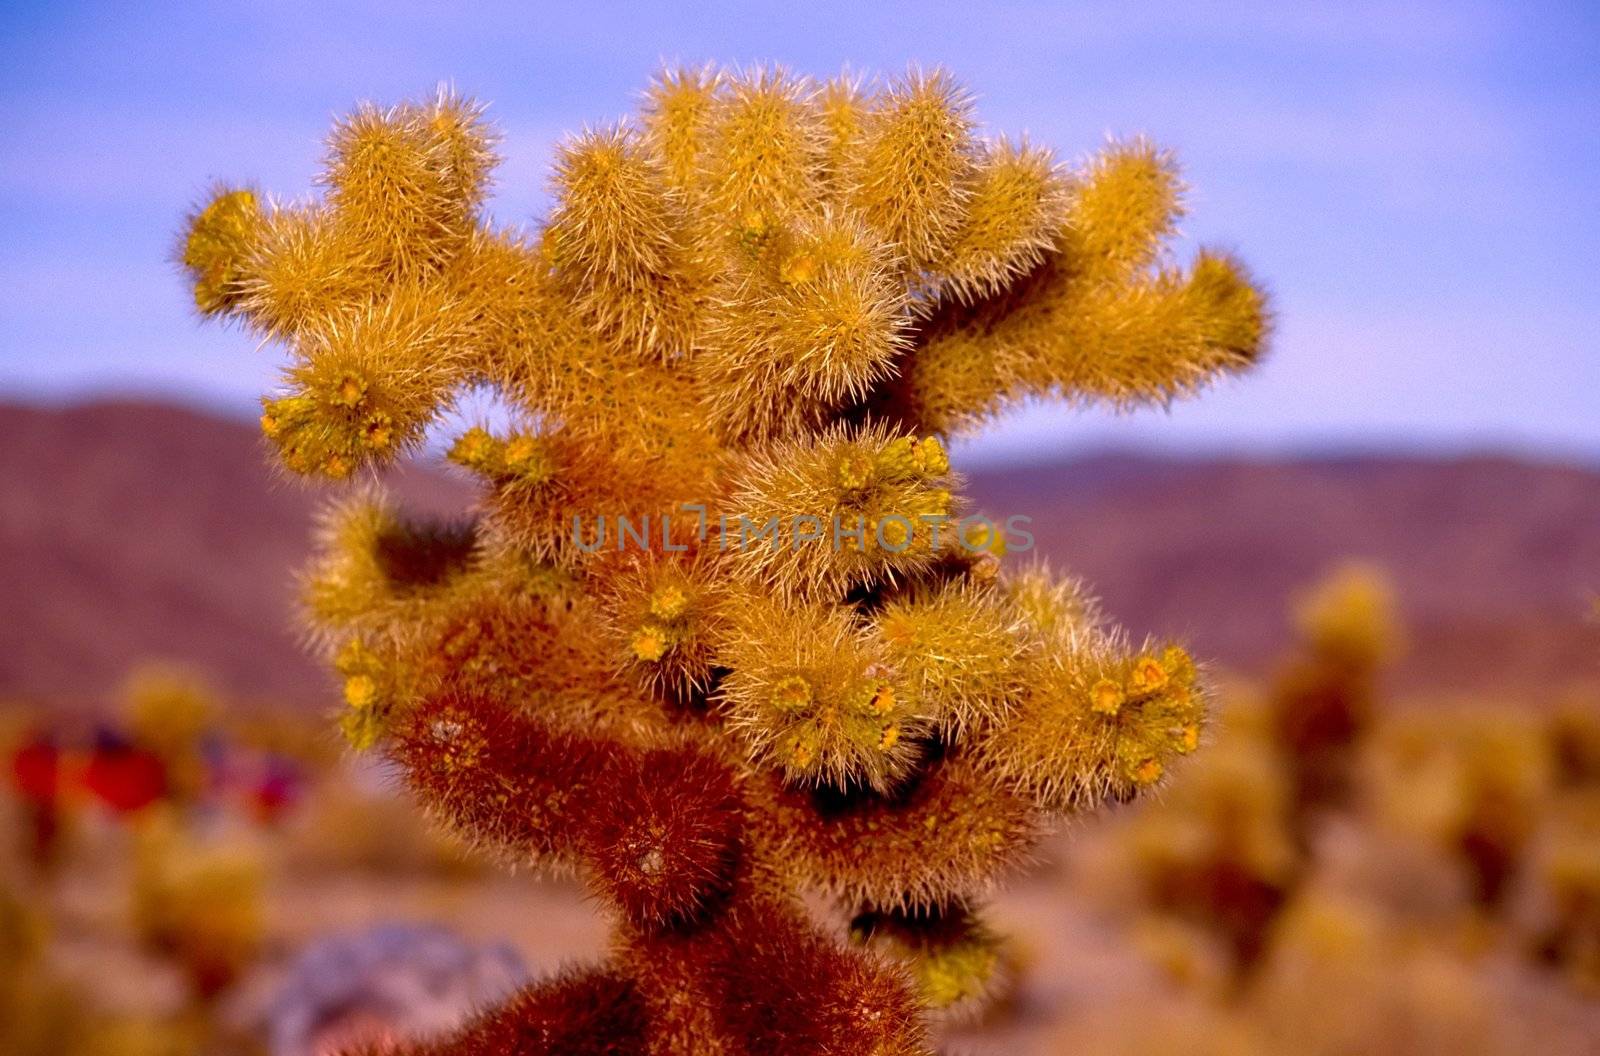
(756, 974)
(660, 827)
(665, 838)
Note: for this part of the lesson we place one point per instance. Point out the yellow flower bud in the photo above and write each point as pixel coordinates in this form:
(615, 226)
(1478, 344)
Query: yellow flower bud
(792, 695)
(650, 644)
(360, 692)
(669, 602)
(1148, 676)
(931, 454)
(350, 391)
(378, 431)
(1106, 697)
(798, 269)
(895, 533)
(1148, 772)
(855, 470)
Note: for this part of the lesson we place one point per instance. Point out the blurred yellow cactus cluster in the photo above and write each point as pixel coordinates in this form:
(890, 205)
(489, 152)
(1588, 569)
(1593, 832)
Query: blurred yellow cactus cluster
(1329, 841)
(1323, 701)
(196, 904)
(1219, 859)
(720, 535)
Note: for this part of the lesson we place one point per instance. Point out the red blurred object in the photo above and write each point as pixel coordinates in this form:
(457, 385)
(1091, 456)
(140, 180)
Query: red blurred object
(273, 794)
(36, 770)
(125, 778)
(36, 774)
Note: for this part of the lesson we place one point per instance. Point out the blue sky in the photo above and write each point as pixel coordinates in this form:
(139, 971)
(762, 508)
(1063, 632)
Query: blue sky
(1417, 183)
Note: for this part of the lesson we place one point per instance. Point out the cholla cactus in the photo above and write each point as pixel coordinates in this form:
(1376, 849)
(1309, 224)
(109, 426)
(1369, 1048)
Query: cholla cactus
(1473, 786)
(1214, 866)
(1216, 862)
(199, 906)
(1560, 920)
(719, 634)
(1323, 701)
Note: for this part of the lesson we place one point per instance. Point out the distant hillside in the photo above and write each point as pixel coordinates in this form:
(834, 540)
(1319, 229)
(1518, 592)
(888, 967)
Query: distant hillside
(1495, 560)
(135, 531)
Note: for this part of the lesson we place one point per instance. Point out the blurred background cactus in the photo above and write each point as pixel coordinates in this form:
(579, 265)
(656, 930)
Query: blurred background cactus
(1439, 884)
(200, 906)
(723, 632)
(1222, 856)
(1322, 702)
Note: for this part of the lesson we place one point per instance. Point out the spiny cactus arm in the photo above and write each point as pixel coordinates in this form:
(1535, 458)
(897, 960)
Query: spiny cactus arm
(1054, 609)
(869, 504)
(663, 616)
(218, 236)
(1121, 207)
(955, 958)
(539, 648)
(843, 101)
(403, 188)
(792, 989)
(619, 240)
(1098, 320)
(514, 785)
(960, 648)
(659, 829)
(354, 283)
(378, 584)
(302, 267)
(1098, 720)
(408, 180)
(758, 975)
(668, 840)
(1017, 207)
(947, 833)
(759, 161)
(810, 320)
(813, 697)
(365, 385)
(795, 335)
(947, 666)
(404, 606)
(675, 114)
(912, 173)
(1086, 715)
(1162, 337)
(524, 333)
